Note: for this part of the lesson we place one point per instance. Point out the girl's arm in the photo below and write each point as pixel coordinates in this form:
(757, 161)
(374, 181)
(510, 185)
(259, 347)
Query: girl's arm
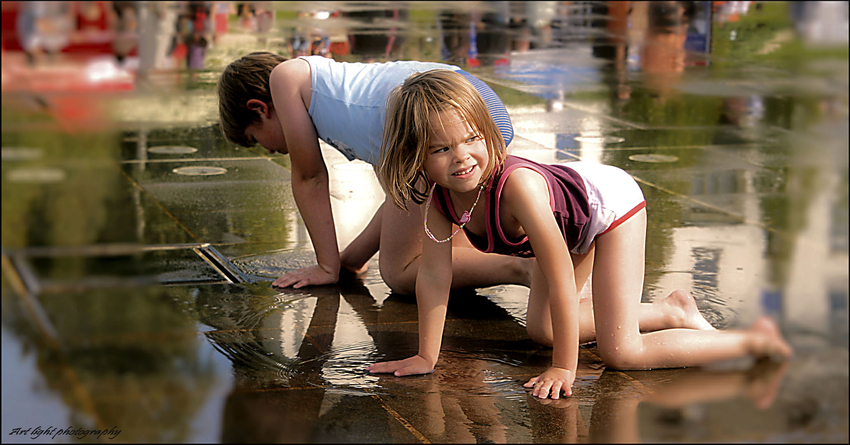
(433, 283)
(309, 173)
(526, 198)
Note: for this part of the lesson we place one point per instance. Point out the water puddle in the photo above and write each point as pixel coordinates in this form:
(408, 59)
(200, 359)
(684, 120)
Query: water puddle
(600, 139)
(37, 175)
(262, 333)
(654, 158)
(463, 374)
(512, 298)
(274, 264)
(21, 153)
(200, 171)
(172, 150)
(345, 366)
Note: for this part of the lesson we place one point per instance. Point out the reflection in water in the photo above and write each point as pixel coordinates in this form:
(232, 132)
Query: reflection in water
(273, 265)
(297, 347)
(98, 367)
(260, 332)
(673, 409)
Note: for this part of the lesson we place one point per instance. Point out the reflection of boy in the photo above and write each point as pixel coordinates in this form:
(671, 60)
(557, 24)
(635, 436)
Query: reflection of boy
(287, 105)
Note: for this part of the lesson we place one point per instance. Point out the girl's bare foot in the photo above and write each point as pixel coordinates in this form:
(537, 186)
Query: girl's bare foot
(682, 303)
(768, 341)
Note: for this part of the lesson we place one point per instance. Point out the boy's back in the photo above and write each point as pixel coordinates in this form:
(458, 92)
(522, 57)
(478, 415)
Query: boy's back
(348, 102)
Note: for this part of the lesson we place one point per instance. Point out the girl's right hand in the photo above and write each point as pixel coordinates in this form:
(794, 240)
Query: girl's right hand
(309, 276)
(556, 379)
(409, 366)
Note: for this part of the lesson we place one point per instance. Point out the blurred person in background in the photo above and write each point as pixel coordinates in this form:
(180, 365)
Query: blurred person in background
(247, 19)
(44, 27)
(386, 42)
(221, 18)
(156, 29)
(126, 29)
(663, 52)
(195, 39)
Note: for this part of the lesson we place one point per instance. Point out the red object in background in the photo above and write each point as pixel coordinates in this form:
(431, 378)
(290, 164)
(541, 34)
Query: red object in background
(340, 48)
(179, 54)
(94, 17)
(78, 43)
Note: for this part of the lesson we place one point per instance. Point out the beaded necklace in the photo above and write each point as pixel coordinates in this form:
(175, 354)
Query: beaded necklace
(463, 219)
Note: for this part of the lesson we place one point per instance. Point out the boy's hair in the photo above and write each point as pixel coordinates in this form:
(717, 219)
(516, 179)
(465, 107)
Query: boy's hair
(407, 130)
(244, 79)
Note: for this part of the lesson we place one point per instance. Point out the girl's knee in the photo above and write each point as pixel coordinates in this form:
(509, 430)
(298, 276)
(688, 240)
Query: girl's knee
(540, 335)
(399, 280)
(621, 357)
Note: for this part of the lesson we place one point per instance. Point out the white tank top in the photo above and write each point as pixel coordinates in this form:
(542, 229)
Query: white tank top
(349, 101)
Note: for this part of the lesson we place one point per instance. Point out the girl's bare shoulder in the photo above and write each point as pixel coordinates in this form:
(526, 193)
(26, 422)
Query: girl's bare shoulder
(523, 181)
(524, 187)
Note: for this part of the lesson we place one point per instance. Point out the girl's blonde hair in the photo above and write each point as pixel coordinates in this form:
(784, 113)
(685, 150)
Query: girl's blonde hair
(407, 130)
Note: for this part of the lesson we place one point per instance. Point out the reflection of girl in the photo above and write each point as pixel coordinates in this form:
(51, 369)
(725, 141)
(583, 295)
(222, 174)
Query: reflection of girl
(573, 218)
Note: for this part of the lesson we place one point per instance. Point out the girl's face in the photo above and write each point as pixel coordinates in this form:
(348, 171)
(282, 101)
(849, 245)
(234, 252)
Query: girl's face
(457, 155)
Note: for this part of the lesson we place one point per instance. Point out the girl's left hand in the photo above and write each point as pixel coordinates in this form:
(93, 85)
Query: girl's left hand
(554, 380)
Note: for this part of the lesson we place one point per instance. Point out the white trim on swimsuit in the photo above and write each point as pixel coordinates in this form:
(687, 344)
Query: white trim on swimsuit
(613, 195)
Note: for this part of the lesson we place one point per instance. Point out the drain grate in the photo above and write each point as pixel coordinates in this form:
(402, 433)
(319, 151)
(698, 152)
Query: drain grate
(49, 270)
(220, 263)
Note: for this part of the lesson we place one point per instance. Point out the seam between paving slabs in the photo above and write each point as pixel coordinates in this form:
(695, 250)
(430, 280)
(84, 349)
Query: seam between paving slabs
(159, 204)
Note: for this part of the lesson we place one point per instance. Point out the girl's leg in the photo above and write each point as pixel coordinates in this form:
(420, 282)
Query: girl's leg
(678, 310)
(617, 283)
(355, 257)
(401, 246)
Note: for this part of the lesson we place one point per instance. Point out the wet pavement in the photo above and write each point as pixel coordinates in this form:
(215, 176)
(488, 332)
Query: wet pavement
(138, 248)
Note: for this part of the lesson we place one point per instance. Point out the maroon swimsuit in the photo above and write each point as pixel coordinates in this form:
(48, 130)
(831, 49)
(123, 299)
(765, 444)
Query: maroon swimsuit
(568, 200)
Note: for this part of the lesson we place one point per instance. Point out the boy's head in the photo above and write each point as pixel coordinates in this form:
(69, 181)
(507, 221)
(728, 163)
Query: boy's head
(244, 79)
(407, 131)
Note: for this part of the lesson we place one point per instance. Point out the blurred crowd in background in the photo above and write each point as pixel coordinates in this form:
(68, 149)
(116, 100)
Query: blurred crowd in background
(144, 36)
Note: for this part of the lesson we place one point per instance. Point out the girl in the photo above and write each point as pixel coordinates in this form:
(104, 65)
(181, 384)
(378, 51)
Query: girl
(573, 218)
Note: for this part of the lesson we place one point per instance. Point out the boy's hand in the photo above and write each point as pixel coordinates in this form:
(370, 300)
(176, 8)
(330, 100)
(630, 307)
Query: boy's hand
(310, 276)
(554, 380)
(408, 366)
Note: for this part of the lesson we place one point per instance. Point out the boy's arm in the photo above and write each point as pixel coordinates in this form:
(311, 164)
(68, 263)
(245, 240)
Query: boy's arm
(309, 174)
(433, 283)
(526, 197)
